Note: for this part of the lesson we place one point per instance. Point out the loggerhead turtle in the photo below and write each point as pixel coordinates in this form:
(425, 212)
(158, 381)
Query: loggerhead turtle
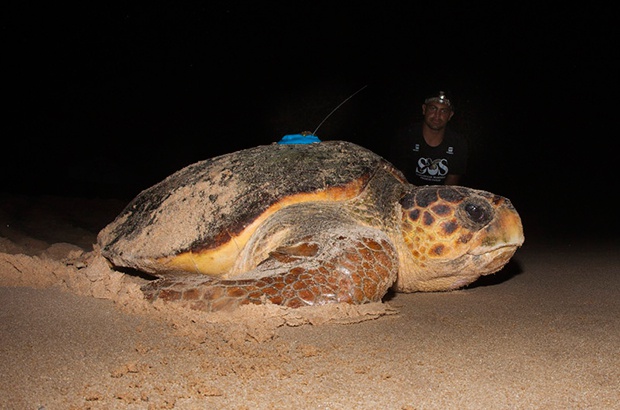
(299, 225)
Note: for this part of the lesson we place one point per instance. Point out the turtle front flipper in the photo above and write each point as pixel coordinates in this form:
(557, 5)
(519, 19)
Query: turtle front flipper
(355, 268)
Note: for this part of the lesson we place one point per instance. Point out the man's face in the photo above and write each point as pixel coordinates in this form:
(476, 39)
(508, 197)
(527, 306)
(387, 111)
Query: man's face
(436, 115)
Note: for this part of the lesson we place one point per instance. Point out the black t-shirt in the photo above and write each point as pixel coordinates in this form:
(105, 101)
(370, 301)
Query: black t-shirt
(426, 165)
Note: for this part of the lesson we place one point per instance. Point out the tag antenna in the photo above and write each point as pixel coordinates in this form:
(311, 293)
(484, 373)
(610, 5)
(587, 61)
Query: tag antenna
(334, 110)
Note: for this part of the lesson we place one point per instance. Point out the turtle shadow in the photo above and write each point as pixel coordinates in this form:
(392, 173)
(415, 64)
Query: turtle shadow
(135, 273)
(509, 271)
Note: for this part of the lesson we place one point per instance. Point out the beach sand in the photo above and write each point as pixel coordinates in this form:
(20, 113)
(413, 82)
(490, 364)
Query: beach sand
(543, 333)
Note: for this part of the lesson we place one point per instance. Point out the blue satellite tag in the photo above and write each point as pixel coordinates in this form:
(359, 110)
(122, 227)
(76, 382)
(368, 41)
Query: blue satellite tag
(299, 139)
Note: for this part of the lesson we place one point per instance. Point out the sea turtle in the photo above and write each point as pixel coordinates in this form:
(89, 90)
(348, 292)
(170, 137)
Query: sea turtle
(311, 224)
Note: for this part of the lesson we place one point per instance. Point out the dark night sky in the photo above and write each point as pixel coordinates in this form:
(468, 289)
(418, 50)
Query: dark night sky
(105, 100)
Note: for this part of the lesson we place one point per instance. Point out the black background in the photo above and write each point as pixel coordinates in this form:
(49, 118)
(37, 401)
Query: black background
(104, 100)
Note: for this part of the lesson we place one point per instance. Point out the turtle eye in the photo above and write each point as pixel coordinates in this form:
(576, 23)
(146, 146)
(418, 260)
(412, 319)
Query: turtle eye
(476, 213)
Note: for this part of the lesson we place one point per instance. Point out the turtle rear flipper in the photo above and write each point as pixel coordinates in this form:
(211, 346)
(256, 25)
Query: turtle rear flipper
(354, 269)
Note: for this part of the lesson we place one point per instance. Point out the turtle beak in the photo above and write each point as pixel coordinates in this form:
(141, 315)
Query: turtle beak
(499, 242)
(504, 231)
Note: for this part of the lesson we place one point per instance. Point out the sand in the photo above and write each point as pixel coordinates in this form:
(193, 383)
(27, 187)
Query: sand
(543, 333)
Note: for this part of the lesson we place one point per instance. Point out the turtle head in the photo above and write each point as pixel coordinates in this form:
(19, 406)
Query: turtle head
(453, 235)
